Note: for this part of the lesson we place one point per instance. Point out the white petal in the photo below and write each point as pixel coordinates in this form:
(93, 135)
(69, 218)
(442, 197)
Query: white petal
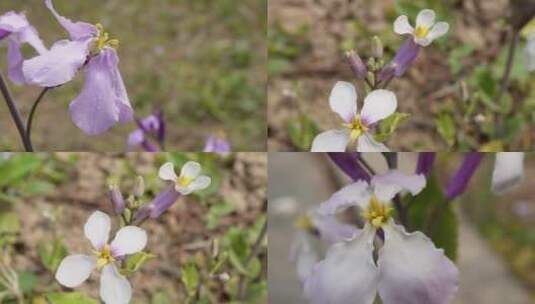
(330, 141)
(331, 230)
(128, 240)
(75, 269)
(378, 104)
(413, 271)
(191, 169)
(200, 183)
(347, 275)
(167, 172)
(355, 194)
(440, 29)
(303, 254)
(97, 229)
(425, 18)
(343, 100)
(423, 41)
(114, 288)
(508, 171)
(402, 26)
(386, 186)
(366, 143)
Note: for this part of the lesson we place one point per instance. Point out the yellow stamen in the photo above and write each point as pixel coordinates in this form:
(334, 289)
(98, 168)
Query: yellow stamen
(356, 128)
(103, 40)
(421, 31)
(104, 257)
(304, 222)
(184, 181)
(377, 213)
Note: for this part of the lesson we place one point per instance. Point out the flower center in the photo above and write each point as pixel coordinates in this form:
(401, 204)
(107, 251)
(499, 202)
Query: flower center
(104, 257)
(103, 40)
(184, 181)
(356, 127)
(377, 213)
(421, 31)
(304, 222)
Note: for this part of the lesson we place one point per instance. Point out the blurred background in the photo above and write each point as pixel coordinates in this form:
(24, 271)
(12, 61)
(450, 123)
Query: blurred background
(496, 234)
(45, 199)
(450, 89)
(202, 62)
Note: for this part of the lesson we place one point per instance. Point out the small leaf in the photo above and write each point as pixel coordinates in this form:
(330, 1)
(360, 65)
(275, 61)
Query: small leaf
(135, 261)
(17, 168)
(388, 126)
(302, 132)
(446, 128)
(190, 278)
(69, 298)
(161, 297)
(27, 281)
(51, 253)
(9, 223)
(216, 212)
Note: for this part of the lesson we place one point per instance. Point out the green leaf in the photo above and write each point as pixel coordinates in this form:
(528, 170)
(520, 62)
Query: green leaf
(27, 281)
(388, 126)
(191, 278)
(216, 212)
(17, 168)
(161, 297)
(457, 55)
(135, 261)
(69, 298)
(51, 253)
(302, 131)
(446, 128)
(9, 223)
(433, 215)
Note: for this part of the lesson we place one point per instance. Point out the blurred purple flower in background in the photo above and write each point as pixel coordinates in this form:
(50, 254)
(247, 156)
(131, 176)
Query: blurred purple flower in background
(103, 101)
(150, 127)
(217, 145)
(17, 30)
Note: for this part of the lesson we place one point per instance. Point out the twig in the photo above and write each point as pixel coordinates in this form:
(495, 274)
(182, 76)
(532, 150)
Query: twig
(32, 112)
(256, 250)
(14, 113)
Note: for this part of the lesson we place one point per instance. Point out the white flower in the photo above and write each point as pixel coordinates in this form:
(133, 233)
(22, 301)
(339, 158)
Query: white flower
(378, 105)
(409, 268)
(75, 269)
(426, 30)
(508, 171)
(189, 180)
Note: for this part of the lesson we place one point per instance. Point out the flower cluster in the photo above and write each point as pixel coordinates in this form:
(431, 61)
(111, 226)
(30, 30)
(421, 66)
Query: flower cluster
(359, 129)
(130, 238)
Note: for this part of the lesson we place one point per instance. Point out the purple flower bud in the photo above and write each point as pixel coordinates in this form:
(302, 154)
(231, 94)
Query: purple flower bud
(458, 183)
(405, 56)
(150, 127)
(163, 201)
(425, 163)
(348, 162)
(356, 64)
(117, 199)
(217, 145)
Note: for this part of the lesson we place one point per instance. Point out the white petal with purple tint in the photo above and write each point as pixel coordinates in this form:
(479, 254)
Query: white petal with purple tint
(114, 287)
(425, 18)
(128, 240)
(366, 143)
(508, 171)
(378, 105)
(190, 169)
(75, 269)
(413, 271)
(386, 186)
(167, 172)
(440, 29)
(355, 194)
(303, 254)
(332, 230)
(76, 30)
(347, 275)
(331, 141)
(97, 229)
(343, 100)
(402, 26)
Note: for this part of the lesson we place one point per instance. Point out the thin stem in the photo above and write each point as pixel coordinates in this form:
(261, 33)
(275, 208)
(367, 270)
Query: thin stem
(256, 250)
(32, 112)
(506, 75)
(14, 113)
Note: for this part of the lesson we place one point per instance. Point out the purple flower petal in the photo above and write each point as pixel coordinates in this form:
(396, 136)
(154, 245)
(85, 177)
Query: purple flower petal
(425, 163)
(135, 139)
(102, 103)
(58, 65)
(217, 145)
(77, 30)
(349, 163)
(14, 62)
(332, 230)
(458, 183)
(163, 201)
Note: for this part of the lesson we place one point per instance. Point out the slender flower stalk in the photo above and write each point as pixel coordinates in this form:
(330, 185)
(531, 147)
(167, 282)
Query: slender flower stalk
(458, 183)
(15, 114)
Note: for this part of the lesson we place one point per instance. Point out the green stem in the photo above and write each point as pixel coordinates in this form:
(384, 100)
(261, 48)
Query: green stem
(15, 114)
(254, 252)
(32, 112)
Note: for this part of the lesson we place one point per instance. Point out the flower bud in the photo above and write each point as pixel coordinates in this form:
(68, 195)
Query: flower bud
(116, 198)
(405, 56)
(163, 201)
(358, 67)
(377, 47)
(458, 183)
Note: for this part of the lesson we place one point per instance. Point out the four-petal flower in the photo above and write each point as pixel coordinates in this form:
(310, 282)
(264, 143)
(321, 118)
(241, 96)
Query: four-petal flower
(426, 29)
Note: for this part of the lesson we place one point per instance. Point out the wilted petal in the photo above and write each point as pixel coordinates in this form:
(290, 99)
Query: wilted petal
(75, 269)
(330, 141)
(413, 271)
(440, 29)
(366, 143)
(355, 194)
(114, 288)
(167, 172)
(97, 229)
(99, 106)
(508, 171)
(58, 65)
(378, 105)
(425, 18)
(128, 240)
(343, 100)
(303, 254)
(347, 275)
(386, 186)
(402, 26)
(190, 169)
(331, 229)
(77, 30)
